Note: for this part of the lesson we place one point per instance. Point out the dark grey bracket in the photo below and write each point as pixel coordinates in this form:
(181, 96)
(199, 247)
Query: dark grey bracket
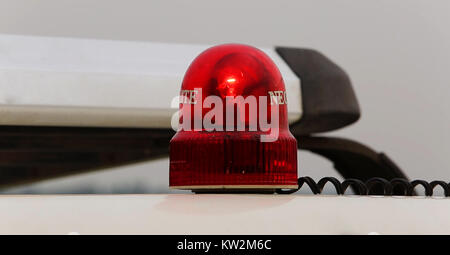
(328, 99)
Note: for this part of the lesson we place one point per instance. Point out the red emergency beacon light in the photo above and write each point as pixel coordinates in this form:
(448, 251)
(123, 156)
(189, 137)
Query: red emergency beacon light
(233, 133)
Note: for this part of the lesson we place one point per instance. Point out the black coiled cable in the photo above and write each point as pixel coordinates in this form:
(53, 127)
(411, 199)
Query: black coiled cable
(397, 186)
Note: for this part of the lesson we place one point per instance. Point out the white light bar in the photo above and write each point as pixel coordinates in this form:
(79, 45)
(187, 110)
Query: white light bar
(100, 83)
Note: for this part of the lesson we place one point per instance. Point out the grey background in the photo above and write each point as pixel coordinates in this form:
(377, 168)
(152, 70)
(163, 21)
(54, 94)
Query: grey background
(396, 52)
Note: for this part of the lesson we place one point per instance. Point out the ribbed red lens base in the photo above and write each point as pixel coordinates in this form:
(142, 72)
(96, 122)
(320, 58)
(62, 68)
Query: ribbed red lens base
(228, 160)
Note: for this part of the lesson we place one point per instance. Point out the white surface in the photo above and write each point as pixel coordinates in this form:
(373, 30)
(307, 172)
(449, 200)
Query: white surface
(85, 82)
(222, 214)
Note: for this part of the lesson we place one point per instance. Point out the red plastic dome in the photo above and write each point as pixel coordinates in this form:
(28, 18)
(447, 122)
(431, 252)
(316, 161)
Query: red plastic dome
(234, 131)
